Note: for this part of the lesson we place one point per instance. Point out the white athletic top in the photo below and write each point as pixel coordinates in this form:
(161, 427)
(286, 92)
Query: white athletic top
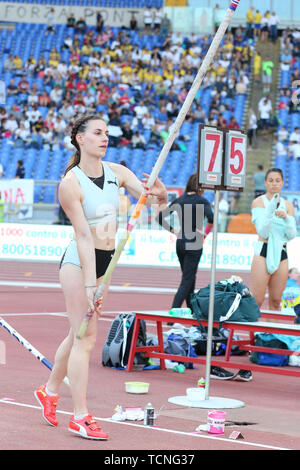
(99, 205)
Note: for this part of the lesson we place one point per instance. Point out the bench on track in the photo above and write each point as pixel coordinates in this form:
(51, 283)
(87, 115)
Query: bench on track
(160, 316)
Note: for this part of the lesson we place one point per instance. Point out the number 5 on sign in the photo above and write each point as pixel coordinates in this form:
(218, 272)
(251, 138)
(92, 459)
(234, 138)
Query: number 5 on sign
(235, 159)
(211, 156)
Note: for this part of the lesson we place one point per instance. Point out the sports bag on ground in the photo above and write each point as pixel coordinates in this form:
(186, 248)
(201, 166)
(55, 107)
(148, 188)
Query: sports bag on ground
(116, 348)
(231, 301)
(265, 358)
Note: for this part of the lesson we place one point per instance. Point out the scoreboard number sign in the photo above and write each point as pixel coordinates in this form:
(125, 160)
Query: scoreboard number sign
(221, 158)
(235, 159)
(211, 152)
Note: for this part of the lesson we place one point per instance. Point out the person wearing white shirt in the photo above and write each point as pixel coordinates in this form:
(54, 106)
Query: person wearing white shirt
(11, 124)
(67, 111)
(178, 80)
(146, 56)
(176, 53)
(47, 136)
(140, 110)
(263, 99)
(280, 149)
(62, 69)
(94, 59)
(89, 100)
(223, 213)
(265, 113)
(73, 69)
(294, 149)
(296, 35)
(177, 39)
(25, 121)
(56, 94)
(167, 53)
(22, 133)
(148, 18)
(94, 71)
(60, 126)
(67, 143)
(33, 98)
(136, 54)
(295, 136)
(148, 121)
(273, 22)
(283, 134)
(265, 110)
(79, 109)
(157, 19)
(105, 71)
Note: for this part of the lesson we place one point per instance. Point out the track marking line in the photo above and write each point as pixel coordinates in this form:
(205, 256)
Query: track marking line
(125, 288)
(158, 429)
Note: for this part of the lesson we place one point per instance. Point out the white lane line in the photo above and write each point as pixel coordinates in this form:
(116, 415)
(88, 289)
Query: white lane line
(54, 285)
(158, 429)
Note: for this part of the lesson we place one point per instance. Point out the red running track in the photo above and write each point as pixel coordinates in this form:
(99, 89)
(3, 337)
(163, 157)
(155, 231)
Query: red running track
(269, 420)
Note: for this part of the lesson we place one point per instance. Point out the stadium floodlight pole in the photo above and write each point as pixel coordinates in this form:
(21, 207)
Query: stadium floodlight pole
(29, 346)
(163, 154)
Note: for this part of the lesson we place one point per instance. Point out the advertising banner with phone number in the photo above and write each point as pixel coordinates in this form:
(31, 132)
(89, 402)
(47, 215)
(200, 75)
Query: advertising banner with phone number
(26, 242)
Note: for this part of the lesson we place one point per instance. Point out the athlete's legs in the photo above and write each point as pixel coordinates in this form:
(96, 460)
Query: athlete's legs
(277, 284)
(259, 279)
(77, 356)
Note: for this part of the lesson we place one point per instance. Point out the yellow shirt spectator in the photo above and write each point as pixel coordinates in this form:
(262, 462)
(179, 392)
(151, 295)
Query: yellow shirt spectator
(168, 74)
(126, 77)
(86, 50)
(157, 78)
(54, 63)
(148, 75)
(257, 18)
(84, 72)
(17, 61)
(112, 54)
(249, 17)
(257, 64)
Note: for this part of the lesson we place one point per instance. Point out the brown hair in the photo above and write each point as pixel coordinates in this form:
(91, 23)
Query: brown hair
(274, 170)
(79, 125)
(192, 185)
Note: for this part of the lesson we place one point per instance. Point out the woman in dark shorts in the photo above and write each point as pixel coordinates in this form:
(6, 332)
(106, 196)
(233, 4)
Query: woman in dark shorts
(275, 224)
(89, 195)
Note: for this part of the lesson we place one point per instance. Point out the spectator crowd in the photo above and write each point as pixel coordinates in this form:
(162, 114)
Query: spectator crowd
(137, 90)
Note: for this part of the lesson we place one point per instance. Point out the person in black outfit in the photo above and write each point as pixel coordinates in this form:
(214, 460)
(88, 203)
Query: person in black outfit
(20, 173)
(191, 208)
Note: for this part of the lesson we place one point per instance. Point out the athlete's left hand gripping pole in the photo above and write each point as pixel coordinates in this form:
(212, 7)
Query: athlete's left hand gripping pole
(164, 152)
(28, 346)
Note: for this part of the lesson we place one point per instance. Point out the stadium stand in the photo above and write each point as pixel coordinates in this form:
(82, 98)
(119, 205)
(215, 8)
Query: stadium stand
(287, 148)
(126, 75)
(99, 3)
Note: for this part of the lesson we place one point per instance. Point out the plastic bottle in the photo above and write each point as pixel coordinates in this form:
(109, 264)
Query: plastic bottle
(149, 415)
(179, 368)
(201, 383)
(180, 312)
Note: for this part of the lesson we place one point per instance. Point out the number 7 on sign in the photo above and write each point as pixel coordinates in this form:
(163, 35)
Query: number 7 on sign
(217, 140)
(210, 156)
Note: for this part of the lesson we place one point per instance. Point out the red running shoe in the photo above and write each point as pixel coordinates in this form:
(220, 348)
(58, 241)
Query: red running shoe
(48, 404)
(87, 427)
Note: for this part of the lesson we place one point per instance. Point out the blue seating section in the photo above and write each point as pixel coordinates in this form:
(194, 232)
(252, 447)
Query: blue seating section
(98, 3)
(290, 120)
(43, 163)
